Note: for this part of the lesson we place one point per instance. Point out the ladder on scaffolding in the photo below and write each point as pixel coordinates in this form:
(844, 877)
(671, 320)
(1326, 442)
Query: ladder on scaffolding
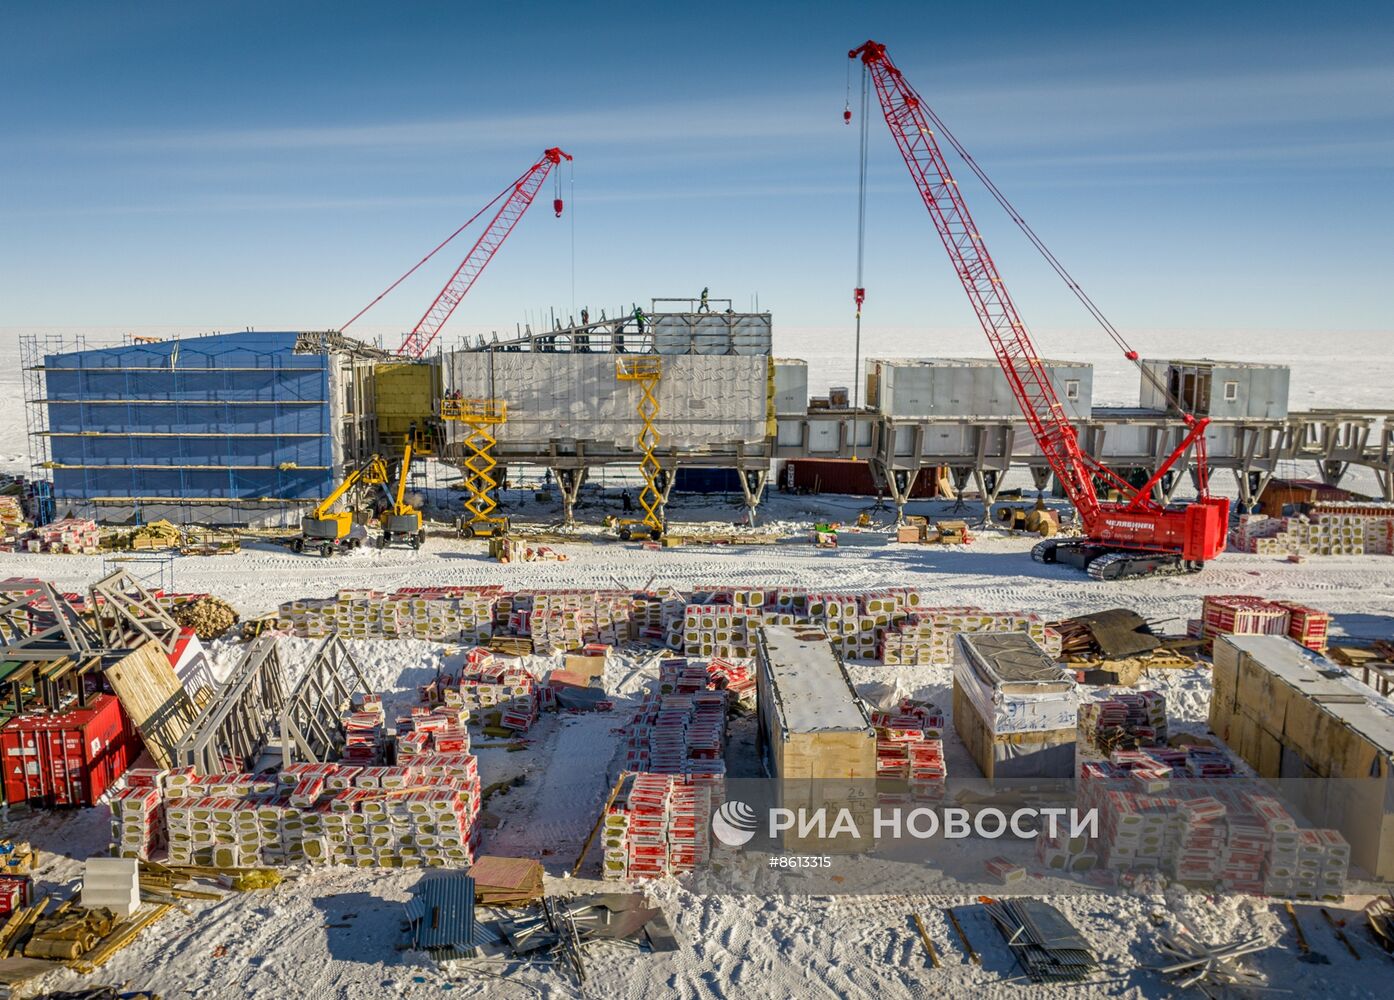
(646, 371)
(481, 416)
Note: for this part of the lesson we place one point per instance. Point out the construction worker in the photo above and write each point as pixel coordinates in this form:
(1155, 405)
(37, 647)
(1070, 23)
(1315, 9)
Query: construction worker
(585, 316)
(639, 319)
(704, 307)
(628, 503)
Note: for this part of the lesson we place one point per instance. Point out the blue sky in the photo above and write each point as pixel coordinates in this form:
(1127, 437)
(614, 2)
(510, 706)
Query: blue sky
(275, 165)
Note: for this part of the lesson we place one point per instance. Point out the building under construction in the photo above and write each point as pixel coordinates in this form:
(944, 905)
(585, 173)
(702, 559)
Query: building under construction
(253, 428)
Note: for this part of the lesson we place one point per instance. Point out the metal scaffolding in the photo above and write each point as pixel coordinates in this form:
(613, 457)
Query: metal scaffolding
(481, 416)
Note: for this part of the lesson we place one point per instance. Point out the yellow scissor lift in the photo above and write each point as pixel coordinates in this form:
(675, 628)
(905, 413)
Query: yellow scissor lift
(481, 416)
(646, 370)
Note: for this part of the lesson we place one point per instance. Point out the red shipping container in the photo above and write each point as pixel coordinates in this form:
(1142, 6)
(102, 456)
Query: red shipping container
(848, 476)
(68, 758)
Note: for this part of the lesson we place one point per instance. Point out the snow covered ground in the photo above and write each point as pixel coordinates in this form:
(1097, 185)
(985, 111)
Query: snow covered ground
(333, 933)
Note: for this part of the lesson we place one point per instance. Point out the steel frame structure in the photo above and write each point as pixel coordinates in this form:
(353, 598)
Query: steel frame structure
(127, 614)
(235, 724)
(312, 719)
(38, 623)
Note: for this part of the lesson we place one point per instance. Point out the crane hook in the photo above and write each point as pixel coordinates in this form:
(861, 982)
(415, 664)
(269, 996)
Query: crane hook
(847, 115)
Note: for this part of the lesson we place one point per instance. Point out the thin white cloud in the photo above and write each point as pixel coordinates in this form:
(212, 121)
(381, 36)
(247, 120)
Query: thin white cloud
(1016, 114)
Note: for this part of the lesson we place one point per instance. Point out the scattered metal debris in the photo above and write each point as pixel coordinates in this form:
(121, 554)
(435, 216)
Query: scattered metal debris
(1047, 946)
(1204, 965)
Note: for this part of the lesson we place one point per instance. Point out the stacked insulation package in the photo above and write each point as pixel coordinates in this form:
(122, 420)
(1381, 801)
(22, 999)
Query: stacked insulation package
(443, 615)
(1164, 811)
(1124, 721)
(491, 684)
(423, 813)
(564, 619)
(892, 625)
(675, 742)
(910, 752)
(1240, 614)
(1324, 532)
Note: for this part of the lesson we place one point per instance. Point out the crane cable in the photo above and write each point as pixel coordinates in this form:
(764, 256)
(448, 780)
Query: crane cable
(1173, 400)
(859, 294)
(1051, 259)
(492, 201)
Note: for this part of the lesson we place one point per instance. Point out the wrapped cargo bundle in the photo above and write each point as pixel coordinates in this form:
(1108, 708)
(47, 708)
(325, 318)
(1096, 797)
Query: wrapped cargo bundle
(1014, 707)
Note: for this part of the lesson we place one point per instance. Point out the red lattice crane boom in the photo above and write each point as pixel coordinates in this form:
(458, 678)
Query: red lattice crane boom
(1132, 536)
(520, 195)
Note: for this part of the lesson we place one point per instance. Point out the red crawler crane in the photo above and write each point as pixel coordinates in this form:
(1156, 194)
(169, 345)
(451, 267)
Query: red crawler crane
(520, 195)
(1134, 536)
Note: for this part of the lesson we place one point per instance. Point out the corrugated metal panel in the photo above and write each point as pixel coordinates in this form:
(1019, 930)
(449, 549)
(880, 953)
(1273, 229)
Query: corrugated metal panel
(790, 386)
(967, 387)
(447, 912)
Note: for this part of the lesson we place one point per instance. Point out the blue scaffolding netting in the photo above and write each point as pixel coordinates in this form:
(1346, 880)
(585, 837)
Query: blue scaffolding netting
(237, 416)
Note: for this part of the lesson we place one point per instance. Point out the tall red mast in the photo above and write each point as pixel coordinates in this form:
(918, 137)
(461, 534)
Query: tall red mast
(1136, 524)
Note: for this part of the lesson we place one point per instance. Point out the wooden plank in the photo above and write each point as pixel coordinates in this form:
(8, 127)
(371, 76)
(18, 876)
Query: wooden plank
(928, 944)
(973, 956)
(1302, 945)
(599, 820)
(152, 696)
(118, 939)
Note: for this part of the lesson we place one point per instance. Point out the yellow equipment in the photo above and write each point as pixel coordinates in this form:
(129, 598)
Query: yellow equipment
(402, 522)
(481, 415)
(329, 529)
(646, 371)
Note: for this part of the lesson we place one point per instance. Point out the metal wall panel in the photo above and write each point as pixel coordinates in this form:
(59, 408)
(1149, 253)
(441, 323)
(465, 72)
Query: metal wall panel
(1261, 390)
(970, 387)
(570, 397)
(790, 386)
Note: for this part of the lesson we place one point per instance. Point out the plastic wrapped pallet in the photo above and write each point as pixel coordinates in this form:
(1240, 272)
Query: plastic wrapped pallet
(1014, 708)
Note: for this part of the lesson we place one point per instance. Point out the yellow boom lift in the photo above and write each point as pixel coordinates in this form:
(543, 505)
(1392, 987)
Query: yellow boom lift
(402, 522)
(328, 529)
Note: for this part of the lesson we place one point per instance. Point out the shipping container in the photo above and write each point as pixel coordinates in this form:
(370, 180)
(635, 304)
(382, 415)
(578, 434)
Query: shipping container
(967, 387)
(850, 476)
(1282, 497)
(68, 758)
(1222, 390)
